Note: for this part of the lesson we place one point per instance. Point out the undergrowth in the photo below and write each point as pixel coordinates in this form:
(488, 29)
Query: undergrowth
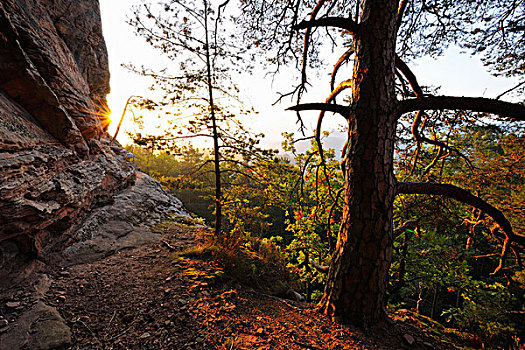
(257, 263)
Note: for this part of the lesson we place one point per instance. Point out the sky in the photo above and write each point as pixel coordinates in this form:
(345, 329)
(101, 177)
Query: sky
(456, 73)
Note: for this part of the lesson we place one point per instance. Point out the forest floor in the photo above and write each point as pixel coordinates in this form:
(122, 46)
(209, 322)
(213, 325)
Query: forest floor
(152, 298)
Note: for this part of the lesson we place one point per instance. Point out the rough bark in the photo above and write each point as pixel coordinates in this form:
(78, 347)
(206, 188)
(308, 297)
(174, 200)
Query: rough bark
(357, 280)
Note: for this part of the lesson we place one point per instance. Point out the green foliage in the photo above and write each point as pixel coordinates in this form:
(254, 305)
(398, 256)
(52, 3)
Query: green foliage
(295, 205)
(315, 214)
(278, 215)
(443, 268)
(258, 263)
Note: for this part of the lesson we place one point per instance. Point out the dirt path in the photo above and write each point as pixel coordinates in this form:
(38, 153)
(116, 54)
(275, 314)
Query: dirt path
(134, 299)
(146, 298)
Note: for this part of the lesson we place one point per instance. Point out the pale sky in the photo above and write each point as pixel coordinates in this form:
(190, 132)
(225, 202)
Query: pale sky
(456, 73)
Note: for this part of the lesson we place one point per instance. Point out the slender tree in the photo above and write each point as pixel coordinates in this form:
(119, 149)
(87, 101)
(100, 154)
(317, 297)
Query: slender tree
(190, 35)
(379, 36)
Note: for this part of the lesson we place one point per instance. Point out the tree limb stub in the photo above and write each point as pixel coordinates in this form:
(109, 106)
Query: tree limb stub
(318, 267)
(477, 104)
(345, 23)
(327, 107)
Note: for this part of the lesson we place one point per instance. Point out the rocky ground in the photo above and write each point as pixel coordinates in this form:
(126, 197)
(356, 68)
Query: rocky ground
(150, 297)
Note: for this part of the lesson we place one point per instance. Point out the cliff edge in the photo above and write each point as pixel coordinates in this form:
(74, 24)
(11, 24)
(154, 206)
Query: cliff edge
(57, 163)
(68, 195)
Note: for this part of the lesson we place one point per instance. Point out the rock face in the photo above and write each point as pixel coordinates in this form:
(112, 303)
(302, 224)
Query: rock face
(57, 164)
(28, 316)
(67, 194)
(53, 62)
(124, 223)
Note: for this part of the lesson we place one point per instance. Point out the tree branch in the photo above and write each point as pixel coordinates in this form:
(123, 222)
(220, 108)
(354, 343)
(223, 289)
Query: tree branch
(318, 267)
(332, 207)
(400, 13)
(409, 75)
(466, 197)
(327, 107)
(306, 44)
(478, 104)
(342, 60)
(122, 116)
(510, 90)
(341, 87)
(345, 23)
(410, 224)
(347, 84)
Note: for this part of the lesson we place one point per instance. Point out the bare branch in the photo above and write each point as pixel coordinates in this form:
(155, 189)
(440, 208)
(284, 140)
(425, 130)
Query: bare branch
(327, 107)
(409, 75)
(485, 256)
(407, 225)
(442, 147)
(478, 104)
(342, 60)
(307, 41)
(122, 116)
(201, 167)
(183, 137)
(510, 90)
(463, 196)
(417, 132)
(324, 107)
(345, 23)
(347, 84)
(434, 161)
(503, 255)
(306, 138)
(400, 13)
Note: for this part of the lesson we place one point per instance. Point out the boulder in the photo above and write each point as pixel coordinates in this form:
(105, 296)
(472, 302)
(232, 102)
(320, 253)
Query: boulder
(122, 224)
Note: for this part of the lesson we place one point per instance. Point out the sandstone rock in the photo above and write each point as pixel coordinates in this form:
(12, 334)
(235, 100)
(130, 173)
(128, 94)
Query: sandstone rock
(56, 162)
(123, 223)
(61, 44)
(41, 328)
(67, 193)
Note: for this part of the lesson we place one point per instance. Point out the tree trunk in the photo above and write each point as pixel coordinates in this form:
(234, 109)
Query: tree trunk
(434, 302)
(356, 287)
(215, 134)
